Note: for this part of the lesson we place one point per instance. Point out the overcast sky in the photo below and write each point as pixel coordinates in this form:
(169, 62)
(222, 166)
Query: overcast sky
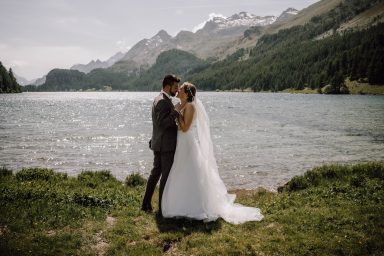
(39, 35)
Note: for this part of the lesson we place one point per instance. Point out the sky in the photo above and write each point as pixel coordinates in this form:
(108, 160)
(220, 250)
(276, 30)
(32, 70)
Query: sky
(39, 35)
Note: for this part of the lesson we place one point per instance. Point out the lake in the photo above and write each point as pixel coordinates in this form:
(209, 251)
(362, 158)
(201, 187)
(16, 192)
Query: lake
(260, 139)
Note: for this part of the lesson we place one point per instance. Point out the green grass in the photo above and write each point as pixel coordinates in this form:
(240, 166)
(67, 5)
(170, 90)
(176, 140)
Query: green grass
(330, 210)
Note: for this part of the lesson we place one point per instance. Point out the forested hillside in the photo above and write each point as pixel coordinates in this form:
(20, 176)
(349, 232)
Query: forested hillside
(8, 83)
(170, 62)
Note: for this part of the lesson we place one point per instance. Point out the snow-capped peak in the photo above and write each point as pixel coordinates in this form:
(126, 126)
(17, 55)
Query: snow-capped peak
(219, 22)
(287, 14)
(292, 11)
(212, 16)
(158, 39)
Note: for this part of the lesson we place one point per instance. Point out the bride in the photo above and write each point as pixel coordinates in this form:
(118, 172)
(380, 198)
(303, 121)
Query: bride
(194, 188)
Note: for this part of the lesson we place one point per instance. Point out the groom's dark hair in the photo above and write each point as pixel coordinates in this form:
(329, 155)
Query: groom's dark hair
(170, 80)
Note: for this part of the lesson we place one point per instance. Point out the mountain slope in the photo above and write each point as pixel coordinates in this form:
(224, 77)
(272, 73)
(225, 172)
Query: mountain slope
(98, 63)
(284, 21)
(170, 62)
(286, 15)
(204, 43)
(305, 15)
(276, 63)
(143, 54)
(365, 19)
(21, 80)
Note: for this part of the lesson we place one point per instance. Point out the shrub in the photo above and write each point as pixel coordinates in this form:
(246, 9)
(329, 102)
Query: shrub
(296, 183)
(5, 172)
(29, 174)
(357, 181)
(135, 179)
(92, 179)
(355, 174)
(371, 169)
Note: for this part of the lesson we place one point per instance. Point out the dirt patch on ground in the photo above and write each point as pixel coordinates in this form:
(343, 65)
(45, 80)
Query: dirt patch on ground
(101, 245)
(111, 221)
(51, 233)
(4, 230)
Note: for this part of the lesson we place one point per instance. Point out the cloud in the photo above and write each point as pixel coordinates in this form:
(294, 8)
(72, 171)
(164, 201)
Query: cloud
(67, 21)
(179, 12)
(211, 16)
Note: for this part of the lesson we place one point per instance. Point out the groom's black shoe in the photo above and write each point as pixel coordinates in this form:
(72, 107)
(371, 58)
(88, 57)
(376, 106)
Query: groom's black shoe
(147, 208)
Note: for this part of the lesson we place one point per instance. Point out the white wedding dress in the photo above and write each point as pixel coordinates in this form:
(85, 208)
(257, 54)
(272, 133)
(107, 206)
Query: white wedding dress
(194, 188)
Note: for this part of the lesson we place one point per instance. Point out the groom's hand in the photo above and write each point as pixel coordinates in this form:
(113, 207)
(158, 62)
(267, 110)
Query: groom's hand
(179, 107)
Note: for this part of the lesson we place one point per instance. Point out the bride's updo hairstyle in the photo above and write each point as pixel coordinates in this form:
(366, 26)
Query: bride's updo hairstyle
(190, 90)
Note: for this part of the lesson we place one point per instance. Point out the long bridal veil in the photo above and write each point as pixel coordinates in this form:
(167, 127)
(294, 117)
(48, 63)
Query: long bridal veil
(218, 202)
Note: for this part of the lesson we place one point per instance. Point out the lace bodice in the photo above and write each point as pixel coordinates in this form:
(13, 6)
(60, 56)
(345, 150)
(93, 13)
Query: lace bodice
(193, 127)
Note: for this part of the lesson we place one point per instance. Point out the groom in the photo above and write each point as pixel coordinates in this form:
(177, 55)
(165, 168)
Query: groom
(164, 136)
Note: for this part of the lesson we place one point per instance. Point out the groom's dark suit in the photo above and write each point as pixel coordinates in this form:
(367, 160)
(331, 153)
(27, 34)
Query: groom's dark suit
(163, 144)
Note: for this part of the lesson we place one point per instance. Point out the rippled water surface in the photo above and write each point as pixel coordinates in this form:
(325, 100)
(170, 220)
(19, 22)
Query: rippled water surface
(261, 139)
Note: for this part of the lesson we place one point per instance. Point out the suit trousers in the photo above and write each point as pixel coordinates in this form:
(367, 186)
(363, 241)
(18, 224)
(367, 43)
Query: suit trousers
(161, 166)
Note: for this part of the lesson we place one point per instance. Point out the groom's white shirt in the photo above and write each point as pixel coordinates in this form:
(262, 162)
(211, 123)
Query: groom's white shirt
(169, 97)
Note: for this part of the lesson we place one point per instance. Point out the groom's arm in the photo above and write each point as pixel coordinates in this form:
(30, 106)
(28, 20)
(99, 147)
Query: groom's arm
(165, 118)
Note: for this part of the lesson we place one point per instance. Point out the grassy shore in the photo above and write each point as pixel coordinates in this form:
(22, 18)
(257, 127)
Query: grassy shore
(331, 210)
(356, 87)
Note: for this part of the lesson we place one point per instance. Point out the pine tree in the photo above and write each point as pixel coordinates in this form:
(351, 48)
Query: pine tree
(375, 69)
(14, 86)
(337, 81)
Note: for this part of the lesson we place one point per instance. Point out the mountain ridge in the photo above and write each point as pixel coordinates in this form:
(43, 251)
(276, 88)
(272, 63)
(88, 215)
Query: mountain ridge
(262, 60)
(204, 43)
(144, 53)
(86, 68)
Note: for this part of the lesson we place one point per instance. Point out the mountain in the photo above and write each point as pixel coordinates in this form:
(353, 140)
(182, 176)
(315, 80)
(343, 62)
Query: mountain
(22, 81)
(296, 57)
(286, 15)
(169, 62)
(143, 54)
(209, 41)
(236, 21)
(172, 61)
(305, 15)
(38, 81)
(86, 68)
(288, 18)
(212, 41)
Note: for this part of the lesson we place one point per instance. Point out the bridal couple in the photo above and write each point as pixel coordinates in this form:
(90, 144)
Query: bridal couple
(190, 185)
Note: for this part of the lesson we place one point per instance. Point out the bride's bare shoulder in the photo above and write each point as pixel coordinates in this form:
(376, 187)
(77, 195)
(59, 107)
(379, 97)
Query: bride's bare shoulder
(190, 106)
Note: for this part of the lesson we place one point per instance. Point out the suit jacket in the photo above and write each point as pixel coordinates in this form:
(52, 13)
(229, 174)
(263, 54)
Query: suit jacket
(164, 133)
